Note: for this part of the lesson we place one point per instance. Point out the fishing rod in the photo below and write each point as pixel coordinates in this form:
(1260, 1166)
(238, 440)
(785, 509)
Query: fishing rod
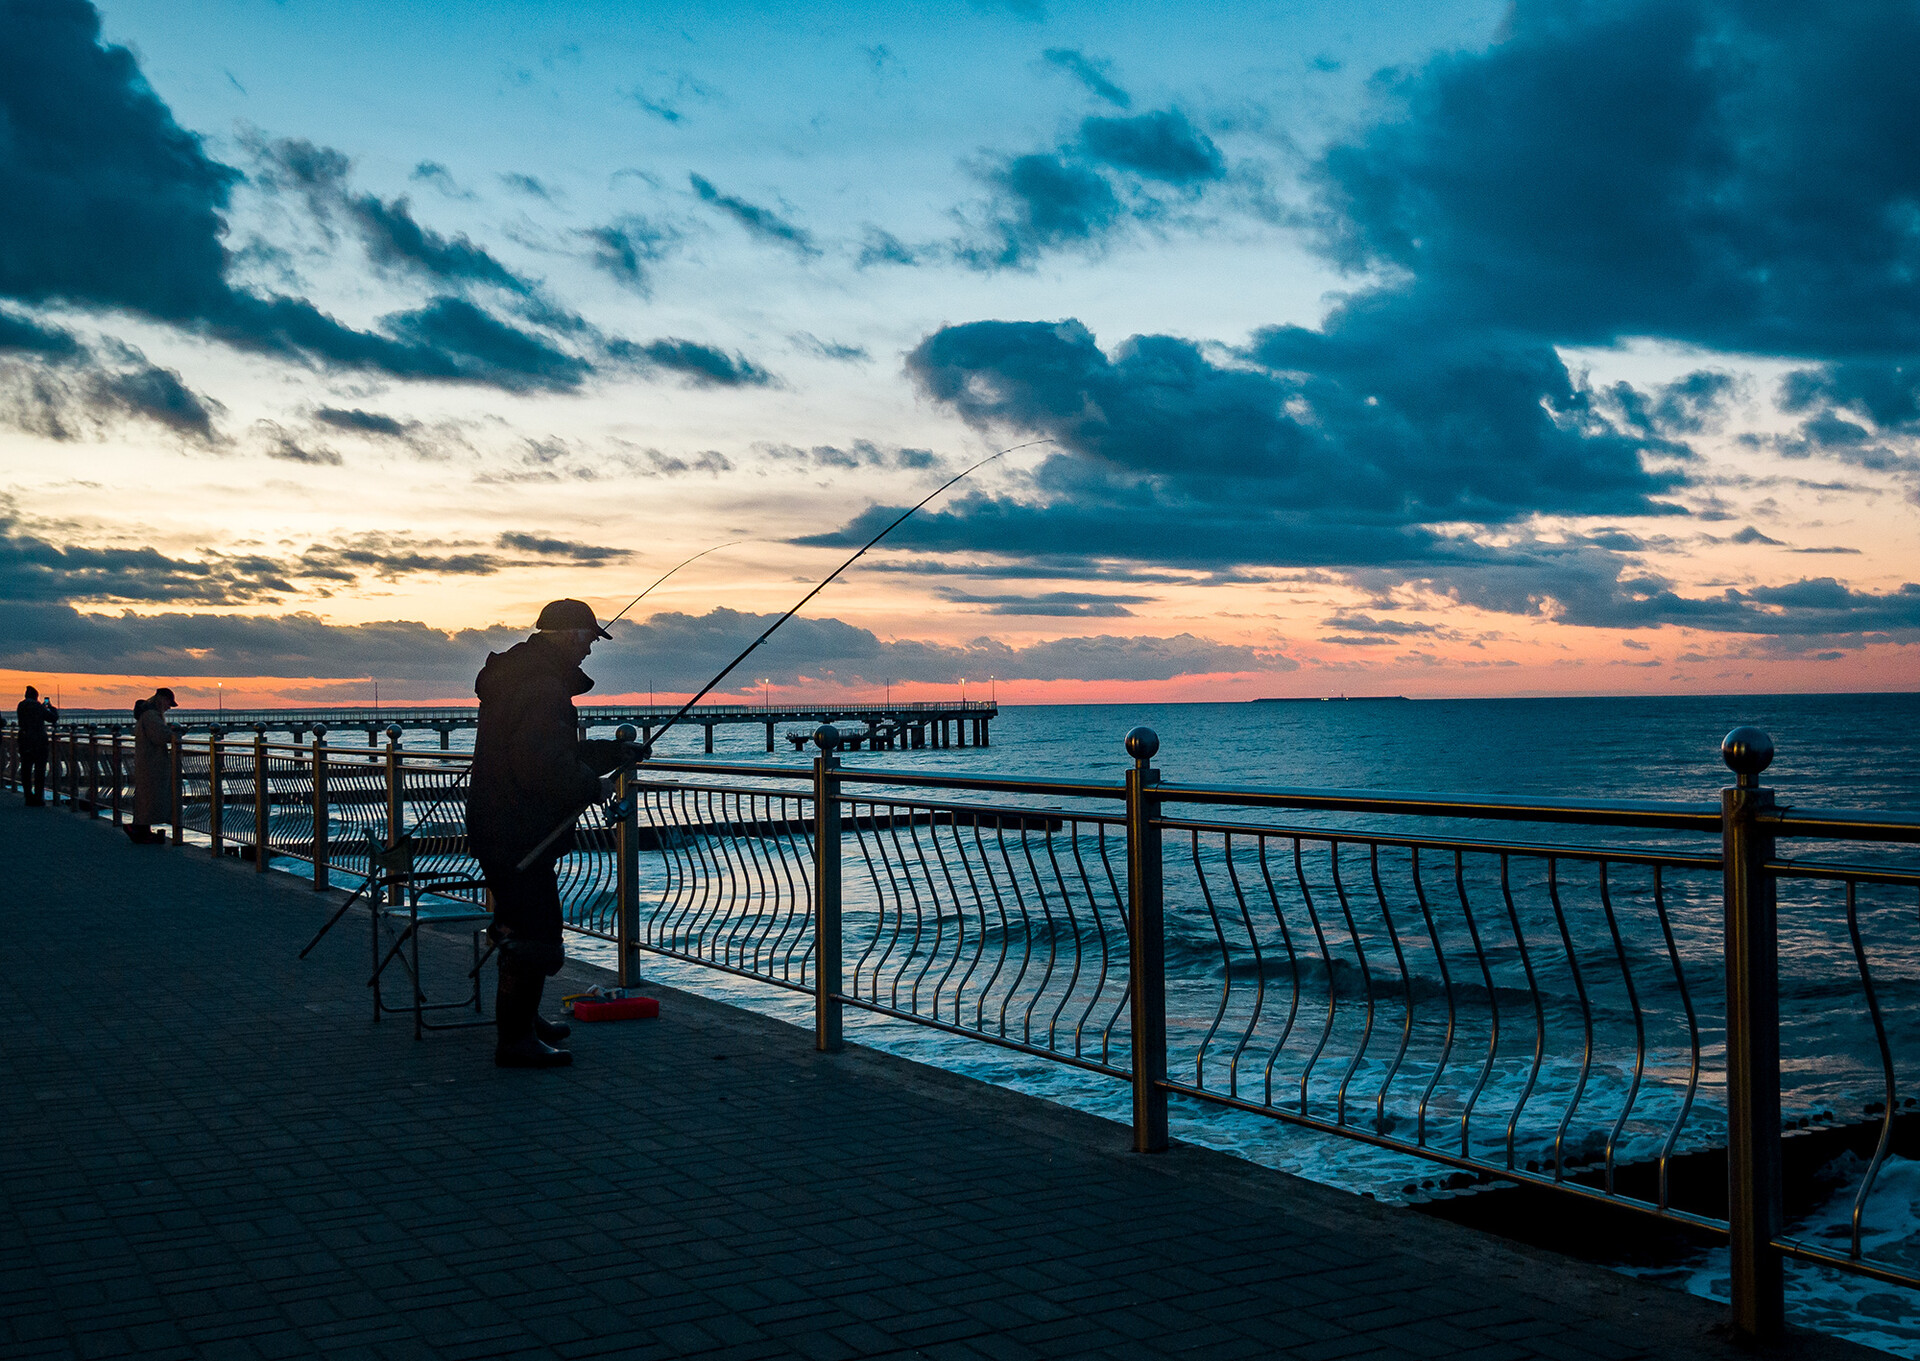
(434, 807)
(728, 669)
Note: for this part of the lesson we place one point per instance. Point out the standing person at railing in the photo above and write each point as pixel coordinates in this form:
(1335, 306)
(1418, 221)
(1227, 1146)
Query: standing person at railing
(35, 716)
(152, 768)
(530, 773)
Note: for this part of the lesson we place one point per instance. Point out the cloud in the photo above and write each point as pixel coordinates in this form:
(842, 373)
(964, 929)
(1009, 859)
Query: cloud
(531, 186)
(54, 386)
(1311, 449)
(278, 442)
(393, 239)
(561, 548)
(113, 206)
(701, 365)
(432, 172)
(1090, 73)
(859, 454)
(884, 248)
(759, 222)
(372, 423)
(826, 349)
(1054, 604)
(1157, 146)
(628, 248)
(33, 568)
(1042, 202)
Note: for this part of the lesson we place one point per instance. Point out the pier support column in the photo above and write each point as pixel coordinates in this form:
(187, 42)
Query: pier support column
(709, 728)
(446, 736)
(769, 737)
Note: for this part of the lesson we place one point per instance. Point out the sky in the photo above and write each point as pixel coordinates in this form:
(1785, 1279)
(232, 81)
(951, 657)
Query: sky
(1442, 349)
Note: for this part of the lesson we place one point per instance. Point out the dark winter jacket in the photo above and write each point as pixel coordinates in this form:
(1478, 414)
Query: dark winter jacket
(527, 773)
(34, 715)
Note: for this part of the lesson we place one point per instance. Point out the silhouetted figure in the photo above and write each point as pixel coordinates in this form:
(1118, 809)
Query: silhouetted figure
(530, 775)
(152, 768)
(35, 716)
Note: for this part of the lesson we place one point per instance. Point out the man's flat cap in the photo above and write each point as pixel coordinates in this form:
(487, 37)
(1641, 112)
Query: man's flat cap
(575, 615)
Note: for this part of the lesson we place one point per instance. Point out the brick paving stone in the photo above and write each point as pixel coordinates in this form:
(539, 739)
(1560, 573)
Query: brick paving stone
(230, 1160)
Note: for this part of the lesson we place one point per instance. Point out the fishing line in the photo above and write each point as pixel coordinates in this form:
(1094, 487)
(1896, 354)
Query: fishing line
(727, 670)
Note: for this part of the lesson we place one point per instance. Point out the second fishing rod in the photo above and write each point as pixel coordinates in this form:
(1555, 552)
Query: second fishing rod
(644, 751)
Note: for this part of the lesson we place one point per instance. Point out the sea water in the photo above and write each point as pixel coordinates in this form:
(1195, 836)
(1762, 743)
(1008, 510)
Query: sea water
(1841, 751)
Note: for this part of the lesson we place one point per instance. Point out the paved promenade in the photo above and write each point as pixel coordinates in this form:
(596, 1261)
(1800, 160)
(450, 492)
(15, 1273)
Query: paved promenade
(207, 1150)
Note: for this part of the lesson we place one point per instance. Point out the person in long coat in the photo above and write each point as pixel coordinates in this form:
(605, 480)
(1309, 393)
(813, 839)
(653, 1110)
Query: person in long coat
(152, 769)
(34, 714)
(530, 776)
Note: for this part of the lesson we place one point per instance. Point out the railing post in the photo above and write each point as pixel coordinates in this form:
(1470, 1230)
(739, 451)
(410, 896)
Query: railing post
(626, 865)
(216, 791)
(114, 758)
(1147, 944)
(396, 788)
(827, 981)
(322, 815)
(93, 769)
(262, 800)
(1754, 1213)
(178, 779)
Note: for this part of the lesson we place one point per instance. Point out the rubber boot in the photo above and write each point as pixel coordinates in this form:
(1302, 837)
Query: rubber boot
(550, 1032)
(516, 1005)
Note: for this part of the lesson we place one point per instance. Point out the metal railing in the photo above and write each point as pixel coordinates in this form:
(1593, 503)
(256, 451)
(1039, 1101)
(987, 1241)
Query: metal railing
(1582, 1016)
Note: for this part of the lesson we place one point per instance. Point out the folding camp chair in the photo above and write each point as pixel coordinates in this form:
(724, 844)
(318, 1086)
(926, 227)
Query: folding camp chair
(403, 899)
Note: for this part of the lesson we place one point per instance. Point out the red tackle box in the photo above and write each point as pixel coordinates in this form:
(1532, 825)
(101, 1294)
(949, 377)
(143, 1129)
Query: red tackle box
(620, 1009)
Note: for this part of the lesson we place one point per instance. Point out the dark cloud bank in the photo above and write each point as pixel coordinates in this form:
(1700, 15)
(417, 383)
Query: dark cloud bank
(669, 652)
(111, 206)
(1737, 178)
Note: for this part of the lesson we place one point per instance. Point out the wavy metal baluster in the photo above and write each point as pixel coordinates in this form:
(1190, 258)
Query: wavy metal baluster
(980, 938)
(719, 902)
(959, 949)
(1639, 1025)
(1886, 1068)
(852, 822)
(1100, 933)
(1053, 938)
(1259, 969)
(757, 842)
(1693, 1031)
(1366, 985)
(999, 955)
(1226, 966)
(1539, 1010)
(1406, 991)
(1586, 1019)
(1073, 925)
(1026, 924)
(1446, 986)
(939, 916)
(1326, 956)
(1293, 961)
(1126, 949)
(886, 829)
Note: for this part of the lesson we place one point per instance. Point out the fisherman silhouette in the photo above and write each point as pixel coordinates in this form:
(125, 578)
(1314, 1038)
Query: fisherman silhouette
(531, 771)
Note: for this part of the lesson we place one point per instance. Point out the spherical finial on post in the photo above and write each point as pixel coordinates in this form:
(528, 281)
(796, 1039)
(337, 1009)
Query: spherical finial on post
(626, 732)
(393, 732)
(260, 729)
(826, 737)
(320, 730)
(1142, 743)
(1747, 752)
